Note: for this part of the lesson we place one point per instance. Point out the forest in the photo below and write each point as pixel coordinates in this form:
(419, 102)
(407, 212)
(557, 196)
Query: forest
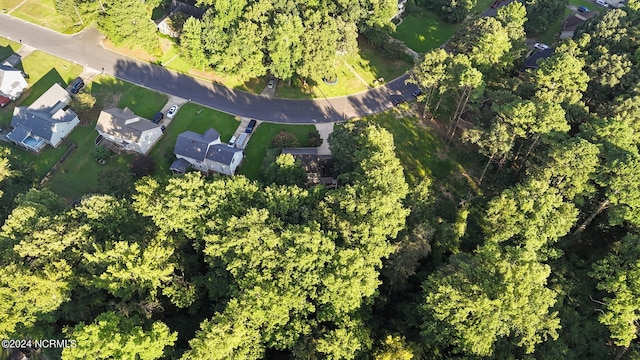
(538, 259)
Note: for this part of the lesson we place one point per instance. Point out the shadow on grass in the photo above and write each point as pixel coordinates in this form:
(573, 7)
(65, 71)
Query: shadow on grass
(6, 51)
(41, 86)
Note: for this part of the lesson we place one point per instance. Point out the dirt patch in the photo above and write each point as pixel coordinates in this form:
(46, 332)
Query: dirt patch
(207, 75)
(126, 50)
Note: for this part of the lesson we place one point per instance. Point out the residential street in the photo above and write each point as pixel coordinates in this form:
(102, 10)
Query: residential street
(85, 49)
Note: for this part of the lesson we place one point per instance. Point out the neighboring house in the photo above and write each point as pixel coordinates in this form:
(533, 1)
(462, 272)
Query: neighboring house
(171, 24)
(12, 82)
(572, 22)
(127, 130)
(532, 61)
(206, 153)
(45, 122)
(319, 168)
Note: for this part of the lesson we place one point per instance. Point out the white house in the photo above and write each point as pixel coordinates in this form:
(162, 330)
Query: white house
(206, 153)
(127, 130)
(47, 121)
(12, 82)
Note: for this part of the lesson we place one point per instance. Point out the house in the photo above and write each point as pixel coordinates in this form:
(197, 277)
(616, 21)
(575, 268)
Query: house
(532, 61)
(171, 24)
(45, 122)
(12, 82)
(572, 22)
(206, 153)
(127, 130)
(319, 168)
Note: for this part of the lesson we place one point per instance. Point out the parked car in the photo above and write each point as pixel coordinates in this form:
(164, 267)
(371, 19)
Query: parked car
(272, 83)
(232, 141)
(157, 117)
(77, 85)
(416, 92)
(583, 9)
(495, 4)
(602, 3)
(172, 111)
(540, 46)
(251, 126)
(398, 100)
(163, 128)
(4, 101)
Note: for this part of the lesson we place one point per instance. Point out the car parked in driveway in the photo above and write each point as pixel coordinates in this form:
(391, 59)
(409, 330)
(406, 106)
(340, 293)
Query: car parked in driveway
(77, 85)
(397, 100)
(540, 46)
(157, 117)
(272, 83)
(416, 93)
(251, 126)
(583, 9)
(172, 111)
(602, 3)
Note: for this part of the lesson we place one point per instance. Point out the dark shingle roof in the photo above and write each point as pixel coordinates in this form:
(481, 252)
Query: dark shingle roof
(532, 61)
(222, 153)
(193, 145)
(181, 165)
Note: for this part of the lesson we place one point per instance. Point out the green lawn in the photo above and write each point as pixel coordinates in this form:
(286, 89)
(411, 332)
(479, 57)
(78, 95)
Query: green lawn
(371, 65)
(260, 141)
(38, 64)
(7, 48)
(43, 13)
(42, 162)
(589, 4)
(9, 4)
(421, 152)
(79, 173)
(422, 30)
(195, 118)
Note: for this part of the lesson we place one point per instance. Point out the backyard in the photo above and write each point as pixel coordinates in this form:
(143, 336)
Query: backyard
(79, 173)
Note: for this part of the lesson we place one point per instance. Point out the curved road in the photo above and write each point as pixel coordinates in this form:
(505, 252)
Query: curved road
(85, 49)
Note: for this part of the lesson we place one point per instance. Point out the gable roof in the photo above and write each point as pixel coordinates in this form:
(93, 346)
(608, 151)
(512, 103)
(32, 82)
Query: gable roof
(222, 153)
(42, 116)
(123, 124)
(193, 145)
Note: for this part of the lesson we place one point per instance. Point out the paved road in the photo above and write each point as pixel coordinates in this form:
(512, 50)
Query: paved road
(85, 49)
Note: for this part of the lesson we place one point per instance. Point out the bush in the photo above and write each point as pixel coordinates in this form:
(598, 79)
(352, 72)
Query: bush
(284, 139)
(102, 153)
(314, 139)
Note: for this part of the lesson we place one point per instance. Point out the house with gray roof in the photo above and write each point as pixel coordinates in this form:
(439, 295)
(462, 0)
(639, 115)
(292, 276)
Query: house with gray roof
(171, 24)
(45, 122)
(206, 153)
(127, 130)
(12, 82)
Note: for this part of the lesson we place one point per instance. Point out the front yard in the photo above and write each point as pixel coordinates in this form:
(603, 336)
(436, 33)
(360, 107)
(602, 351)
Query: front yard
(43, 13)
(422, 30)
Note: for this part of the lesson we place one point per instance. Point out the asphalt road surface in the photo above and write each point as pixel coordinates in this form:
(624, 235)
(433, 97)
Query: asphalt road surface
(85, 49)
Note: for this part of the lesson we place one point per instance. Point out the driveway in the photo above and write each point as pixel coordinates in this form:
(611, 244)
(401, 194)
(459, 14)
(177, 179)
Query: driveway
(85, 49)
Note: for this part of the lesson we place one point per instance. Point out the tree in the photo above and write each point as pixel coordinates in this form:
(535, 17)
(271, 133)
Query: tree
(619, 275)
(114, 336)
(496, 142)
(560, 79)
(480, 298)
(394, 348)
(486, 42)
(191, 45)
(83, 103)
(285, 50)
(286, 171)
(128, 22)
(541, 14)
(452, 11)
(513, 17)
(431, 76)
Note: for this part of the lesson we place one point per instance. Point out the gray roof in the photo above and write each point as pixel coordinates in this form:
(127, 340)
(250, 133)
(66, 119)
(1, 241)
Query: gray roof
(181, 165)
(222, 153)
(532, 61)
(19, 133)
(41, 116)
(193, 145)
(123, 124)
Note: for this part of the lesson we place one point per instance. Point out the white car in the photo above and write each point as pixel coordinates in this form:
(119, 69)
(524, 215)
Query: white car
(172, 111)
(540, 46)
(602, 3)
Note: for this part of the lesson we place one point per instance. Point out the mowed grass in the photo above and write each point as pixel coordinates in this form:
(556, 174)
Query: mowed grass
(8, 48)
(197, 119)
(38, 64)
(9, 4)
(79, 173)
(260, 141)
(371, 65)
(422, 30)
(43, 13)
(422, 152)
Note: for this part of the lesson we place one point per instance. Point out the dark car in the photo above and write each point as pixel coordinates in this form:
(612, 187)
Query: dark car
(416, 92)
(583, 9)
(252, 124)
(77, 85)
(495, 4)
(398, 100)
(157, 117)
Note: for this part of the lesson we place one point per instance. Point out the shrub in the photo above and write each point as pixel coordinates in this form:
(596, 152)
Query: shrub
(284, 139)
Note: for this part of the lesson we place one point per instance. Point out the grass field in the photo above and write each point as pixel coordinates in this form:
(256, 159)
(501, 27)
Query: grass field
(43, 13)
(9, 4)
(38, 64)
(7, 48)
(260, 141)
(195, 118)
(422, 30)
